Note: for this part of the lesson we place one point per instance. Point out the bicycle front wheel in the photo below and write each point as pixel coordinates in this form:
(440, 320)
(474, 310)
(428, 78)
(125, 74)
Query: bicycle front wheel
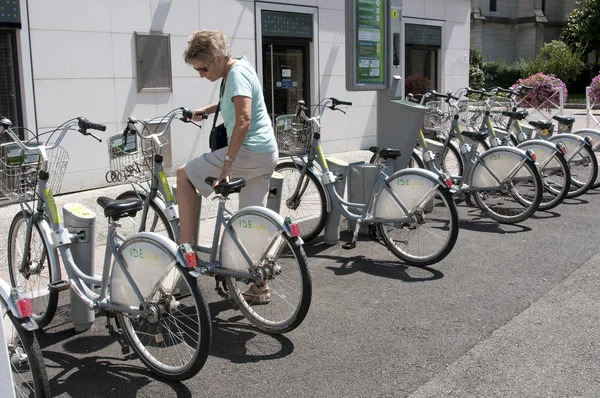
(173, 339)
(156, 221)
(25, 356)
(287, 293)
(309, 207)
(430, 229)
(35, 274)
(516, 199)
(584, 170)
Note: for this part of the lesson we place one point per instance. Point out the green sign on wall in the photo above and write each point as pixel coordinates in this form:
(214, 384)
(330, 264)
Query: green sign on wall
(366, 44)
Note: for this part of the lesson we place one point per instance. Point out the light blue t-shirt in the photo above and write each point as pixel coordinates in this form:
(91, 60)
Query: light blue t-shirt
(243, 81)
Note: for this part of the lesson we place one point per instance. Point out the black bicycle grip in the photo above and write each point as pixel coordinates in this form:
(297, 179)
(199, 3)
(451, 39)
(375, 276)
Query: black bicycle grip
(344, 103)
(86, 124)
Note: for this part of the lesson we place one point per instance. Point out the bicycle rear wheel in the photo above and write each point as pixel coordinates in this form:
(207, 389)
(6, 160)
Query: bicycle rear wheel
(174, 339)
(37, 273)
(28, 369)
(516, 200)
(156, 221)
(431, 227)
(280, 259)
(309, 208)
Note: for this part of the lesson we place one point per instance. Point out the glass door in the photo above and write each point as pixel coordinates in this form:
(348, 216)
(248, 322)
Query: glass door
(285, 76)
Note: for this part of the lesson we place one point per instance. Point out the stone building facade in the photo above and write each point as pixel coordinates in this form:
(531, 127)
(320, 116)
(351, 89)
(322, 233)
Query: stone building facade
(512, 29)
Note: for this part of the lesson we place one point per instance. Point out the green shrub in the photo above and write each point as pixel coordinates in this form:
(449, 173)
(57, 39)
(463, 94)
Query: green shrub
(501, 74)
(556, 58)
(476, 57)
(476, 77)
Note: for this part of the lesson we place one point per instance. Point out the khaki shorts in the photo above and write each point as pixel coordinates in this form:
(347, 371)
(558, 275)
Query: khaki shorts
(256, 168)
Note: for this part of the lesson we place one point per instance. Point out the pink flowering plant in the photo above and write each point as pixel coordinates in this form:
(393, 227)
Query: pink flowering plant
(594, 92)
(545, 93)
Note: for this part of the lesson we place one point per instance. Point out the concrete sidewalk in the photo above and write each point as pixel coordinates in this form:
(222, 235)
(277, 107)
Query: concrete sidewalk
(549, 350)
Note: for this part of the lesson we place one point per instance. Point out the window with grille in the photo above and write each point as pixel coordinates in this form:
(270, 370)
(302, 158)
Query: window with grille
(493, 5)
(10, 103)
(153, 60)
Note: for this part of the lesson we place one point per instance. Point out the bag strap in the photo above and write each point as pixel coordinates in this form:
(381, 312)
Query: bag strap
(218, 105)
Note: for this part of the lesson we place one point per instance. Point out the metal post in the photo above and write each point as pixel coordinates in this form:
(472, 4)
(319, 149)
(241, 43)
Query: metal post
(79, 219)
(332, 227)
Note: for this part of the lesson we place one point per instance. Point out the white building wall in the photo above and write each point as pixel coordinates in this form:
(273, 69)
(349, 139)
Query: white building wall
(82, 56)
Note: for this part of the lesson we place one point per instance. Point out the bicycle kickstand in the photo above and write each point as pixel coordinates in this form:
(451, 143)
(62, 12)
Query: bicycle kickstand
(224, 292)
(117, 334)
(352, 243)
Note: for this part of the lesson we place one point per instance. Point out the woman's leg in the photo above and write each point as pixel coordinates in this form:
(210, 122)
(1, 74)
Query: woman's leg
(187, 200)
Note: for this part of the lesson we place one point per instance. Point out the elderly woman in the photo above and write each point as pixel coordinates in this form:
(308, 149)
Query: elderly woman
(251, 152)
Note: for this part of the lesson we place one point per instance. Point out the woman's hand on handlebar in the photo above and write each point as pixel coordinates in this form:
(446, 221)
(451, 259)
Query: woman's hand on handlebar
(199, 114)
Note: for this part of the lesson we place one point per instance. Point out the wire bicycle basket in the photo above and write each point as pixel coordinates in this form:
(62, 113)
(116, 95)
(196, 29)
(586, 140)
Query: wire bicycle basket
(19, 172)
(293, 135)
(127, 162)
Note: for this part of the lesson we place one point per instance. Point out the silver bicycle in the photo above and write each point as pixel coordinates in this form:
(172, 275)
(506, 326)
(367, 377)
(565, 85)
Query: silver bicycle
(150, 287)
(258, 247)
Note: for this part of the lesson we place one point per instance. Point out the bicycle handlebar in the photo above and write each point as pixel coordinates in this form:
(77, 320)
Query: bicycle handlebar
(186, 117)
(83, 124)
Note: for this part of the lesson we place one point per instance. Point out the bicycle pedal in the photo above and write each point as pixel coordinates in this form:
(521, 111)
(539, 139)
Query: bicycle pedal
(349, 245)
(59, 286)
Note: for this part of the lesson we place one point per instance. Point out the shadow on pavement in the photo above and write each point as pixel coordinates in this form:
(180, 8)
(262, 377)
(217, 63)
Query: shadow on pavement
(74, 375)
(349, 263)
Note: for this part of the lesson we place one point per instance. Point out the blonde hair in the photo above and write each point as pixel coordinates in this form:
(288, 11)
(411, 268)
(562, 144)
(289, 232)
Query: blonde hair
(206, 45)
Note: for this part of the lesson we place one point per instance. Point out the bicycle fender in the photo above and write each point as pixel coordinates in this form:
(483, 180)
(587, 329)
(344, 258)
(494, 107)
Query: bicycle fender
(593, 134)
(254, 234)
(409, 186)
(501, 161)
(543, 149)
(571, 141)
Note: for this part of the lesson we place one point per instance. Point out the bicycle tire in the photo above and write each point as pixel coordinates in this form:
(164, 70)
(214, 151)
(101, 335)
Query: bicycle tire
(527, 204)
(454, 164)
(431, 234)
(583, 176)
(180, 320)
(43, 300)
(595, 136)
(309, 211)
(290, 284)
(556, 176)
(159, 223)
(29, 375)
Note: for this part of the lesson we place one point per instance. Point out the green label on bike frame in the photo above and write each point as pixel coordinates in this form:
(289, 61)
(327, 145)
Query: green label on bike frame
(54, 214)
(423, 139)
(165, 185)
(462, 139)
(322, 157)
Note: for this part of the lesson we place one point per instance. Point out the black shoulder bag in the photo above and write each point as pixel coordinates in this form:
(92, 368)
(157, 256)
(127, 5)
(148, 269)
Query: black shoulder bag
(218, 134)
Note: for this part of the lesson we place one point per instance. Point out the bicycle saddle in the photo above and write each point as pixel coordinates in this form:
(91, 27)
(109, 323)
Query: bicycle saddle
(566, 120)
(386, 153)
(541, 124)
(476, 135)
(225, 188)
(119, 208)
(520, 115)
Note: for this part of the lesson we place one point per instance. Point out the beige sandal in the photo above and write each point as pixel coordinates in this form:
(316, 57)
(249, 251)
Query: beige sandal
(255, 295)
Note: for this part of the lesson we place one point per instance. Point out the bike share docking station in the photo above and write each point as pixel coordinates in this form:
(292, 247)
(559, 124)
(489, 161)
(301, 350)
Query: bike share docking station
(373, 64)
(81, 221)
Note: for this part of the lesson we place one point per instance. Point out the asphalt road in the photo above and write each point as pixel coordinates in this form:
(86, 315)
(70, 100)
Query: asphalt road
(380, 328)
